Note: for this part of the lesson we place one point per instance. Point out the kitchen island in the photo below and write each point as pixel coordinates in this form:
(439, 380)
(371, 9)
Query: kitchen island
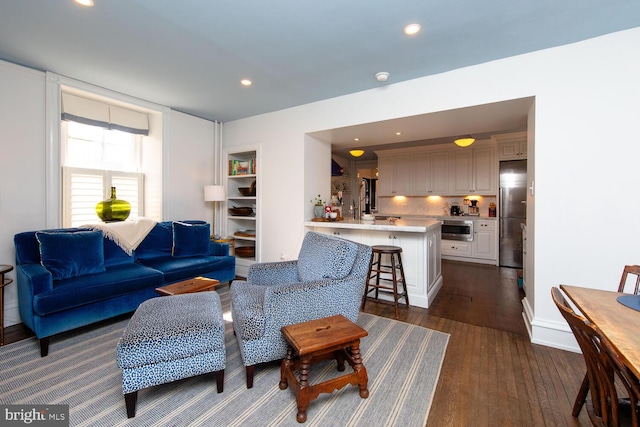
(420, 243)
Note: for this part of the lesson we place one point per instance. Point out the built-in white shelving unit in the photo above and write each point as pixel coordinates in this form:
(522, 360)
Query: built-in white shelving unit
(243, 228)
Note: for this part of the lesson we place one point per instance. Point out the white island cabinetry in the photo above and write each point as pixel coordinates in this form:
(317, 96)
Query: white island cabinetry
(483, 249)
(420, 243)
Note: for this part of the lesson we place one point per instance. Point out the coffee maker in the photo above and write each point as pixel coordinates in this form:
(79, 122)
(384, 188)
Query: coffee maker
(474, 209)
(455, 210)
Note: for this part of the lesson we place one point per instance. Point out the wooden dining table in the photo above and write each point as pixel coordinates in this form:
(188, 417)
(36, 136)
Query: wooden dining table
(618, 323)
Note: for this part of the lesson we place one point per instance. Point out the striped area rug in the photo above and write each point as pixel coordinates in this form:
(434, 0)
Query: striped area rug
(403, 363)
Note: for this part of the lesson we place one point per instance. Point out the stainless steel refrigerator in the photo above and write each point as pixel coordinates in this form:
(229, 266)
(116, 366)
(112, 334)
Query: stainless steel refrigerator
(513, 211)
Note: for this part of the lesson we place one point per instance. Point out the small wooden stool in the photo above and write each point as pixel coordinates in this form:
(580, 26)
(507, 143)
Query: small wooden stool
(334, 337)
(377, 269)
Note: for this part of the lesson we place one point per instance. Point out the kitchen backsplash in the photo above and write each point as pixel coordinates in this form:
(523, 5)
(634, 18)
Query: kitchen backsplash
(432, 205)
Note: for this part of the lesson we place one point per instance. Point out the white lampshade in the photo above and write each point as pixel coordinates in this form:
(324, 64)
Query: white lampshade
(214, 193)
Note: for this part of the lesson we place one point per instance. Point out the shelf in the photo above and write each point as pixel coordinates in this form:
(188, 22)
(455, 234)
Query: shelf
(242, 176)
(248, 218)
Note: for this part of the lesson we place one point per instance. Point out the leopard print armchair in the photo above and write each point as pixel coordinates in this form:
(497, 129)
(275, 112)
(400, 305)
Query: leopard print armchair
(328, 278)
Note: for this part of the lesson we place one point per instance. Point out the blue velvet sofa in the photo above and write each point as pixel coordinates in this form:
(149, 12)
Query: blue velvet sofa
(68, 278)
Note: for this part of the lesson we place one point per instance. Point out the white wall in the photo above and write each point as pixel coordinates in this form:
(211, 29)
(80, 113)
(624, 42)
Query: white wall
(585, 156)
(188, 165)
(22, 171)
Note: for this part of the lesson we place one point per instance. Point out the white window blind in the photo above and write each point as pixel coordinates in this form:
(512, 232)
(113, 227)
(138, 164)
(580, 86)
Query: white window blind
(97, 113)
(84, 188)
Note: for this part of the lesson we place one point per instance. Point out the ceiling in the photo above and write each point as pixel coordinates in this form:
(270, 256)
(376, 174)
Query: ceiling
(480, 121)
(190, 55)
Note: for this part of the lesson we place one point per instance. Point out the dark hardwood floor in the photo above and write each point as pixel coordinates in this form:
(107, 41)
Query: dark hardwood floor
(492, 375)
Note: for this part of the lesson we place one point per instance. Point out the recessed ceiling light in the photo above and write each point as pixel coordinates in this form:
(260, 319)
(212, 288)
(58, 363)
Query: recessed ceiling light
(356, 139)
(245, 82)
(412, 29)
(382, 76)
(87, 3)
(398, 133)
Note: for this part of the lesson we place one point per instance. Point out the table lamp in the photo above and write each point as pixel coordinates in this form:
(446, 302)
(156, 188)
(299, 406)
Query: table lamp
(214, 193)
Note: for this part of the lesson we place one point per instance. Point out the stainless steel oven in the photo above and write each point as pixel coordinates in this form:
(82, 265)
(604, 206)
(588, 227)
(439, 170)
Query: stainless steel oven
(456, 229)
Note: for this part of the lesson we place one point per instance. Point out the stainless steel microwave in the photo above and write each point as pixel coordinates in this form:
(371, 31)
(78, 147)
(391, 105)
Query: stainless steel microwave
(455, 229)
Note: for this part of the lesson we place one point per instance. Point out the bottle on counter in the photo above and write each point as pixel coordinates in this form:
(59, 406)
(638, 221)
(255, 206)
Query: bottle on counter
(492, 210)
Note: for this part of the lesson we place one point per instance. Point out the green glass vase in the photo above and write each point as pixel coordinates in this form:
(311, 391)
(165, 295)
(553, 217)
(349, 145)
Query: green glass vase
(113, 209)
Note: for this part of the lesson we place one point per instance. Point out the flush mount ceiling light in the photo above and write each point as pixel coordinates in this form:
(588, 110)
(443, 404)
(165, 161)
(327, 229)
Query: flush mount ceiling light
(412, 29)
(464, 141)
(382, 76)
(245, 82)
(87, 3)
(356, 153)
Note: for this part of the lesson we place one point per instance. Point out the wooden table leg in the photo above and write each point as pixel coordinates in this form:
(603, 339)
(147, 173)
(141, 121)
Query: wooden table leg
(303, 397)
(363, 378)
(285, 367)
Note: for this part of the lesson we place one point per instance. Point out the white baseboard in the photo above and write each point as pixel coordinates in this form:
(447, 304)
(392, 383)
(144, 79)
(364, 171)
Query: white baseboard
(11, 315)
(549, 333)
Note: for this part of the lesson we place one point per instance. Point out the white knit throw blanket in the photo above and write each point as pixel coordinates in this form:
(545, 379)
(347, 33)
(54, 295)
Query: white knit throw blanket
(126, 234)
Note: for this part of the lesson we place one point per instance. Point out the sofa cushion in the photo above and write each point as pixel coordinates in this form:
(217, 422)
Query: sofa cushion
(73, 254)
(176, 269)
(77, 291)
(114, 254)
(158, 242)
(325, 257)
(190, 240)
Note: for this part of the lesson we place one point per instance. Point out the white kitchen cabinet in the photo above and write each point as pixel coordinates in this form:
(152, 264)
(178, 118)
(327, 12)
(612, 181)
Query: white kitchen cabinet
(420, 254)
(434, 259)
(512, 150)
(344, 234)
(485, 176)
(395, 175)
(483, 248)
(456, 248)
(243, 229)
(474, 171)
(484, 240)
(511, 146)
(412, 254)
(462, 176)
(386, 170)
(430, 173)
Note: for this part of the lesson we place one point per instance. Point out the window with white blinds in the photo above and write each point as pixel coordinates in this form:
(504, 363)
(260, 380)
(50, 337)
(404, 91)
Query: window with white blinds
(84, 188)
(94, 160)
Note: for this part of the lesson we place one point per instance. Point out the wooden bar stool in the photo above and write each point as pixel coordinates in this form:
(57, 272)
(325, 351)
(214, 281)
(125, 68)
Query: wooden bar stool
(393, 273)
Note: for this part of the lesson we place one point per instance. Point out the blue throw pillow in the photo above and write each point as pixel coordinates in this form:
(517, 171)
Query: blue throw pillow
(71, 254)
(190, 240)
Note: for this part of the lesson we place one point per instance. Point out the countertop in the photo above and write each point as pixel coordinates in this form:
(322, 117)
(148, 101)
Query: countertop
(441, 217)
(407, 225)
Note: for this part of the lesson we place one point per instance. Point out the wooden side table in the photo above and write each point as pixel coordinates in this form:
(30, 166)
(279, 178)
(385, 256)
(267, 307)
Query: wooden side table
(3, 282)
(334, 337)
(197, 284)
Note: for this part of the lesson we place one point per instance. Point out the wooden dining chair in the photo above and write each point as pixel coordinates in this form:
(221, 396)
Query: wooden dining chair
(584, 388)
(600, 373)
(630, 269)
(628, 406)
